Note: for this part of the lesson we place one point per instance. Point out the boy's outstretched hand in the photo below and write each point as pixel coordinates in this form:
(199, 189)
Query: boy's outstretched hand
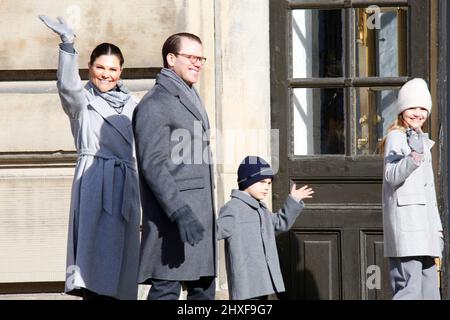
(302, 193)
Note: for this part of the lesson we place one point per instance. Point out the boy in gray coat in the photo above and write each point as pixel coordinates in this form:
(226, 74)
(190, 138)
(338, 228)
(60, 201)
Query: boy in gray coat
(249, 230)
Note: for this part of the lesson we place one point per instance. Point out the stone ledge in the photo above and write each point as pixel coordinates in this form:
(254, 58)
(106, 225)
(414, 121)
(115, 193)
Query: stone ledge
(38, 296)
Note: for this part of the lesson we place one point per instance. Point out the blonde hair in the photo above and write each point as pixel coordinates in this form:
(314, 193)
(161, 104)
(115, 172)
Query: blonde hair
(398, 124)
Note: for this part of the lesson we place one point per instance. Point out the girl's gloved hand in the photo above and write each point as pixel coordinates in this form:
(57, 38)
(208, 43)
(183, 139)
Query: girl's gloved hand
(415, 139)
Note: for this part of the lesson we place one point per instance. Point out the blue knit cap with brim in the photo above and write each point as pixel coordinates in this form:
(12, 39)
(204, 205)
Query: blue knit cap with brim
(253, 169)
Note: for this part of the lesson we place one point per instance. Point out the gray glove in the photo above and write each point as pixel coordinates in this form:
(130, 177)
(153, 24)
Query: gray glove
(191, 230)
(60, 27)
(415, 140)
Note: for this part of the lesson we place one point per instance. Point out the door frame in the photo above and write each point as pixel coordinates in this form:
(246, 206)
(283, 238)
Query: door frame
(443, 104)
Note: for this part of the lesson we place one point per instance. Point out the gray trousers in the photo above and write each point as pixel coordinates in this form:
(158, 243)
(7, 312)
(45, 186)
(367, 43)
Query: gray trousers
(202, 289)
(414, 278)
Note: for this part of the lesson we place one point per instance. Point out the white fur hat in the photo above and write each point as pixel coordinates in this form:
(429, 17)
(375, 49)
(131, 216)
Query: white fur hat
(414, 93)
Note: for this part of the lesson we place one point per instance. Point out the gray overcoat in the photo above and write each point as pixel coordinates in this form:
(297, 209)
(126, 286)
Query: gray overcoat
(175, 169)
(249, 230)
(103, 242)
(411, 218)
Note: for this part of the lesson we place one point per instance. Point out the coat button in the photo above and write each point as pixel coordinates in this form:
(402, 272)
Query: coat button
(425, 185)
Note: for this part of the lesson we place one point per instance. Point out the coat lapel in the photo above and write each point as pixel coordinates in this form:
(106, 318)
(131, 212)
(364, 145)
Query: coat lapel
(118, 121)
(185, 101)
(129, 107)
(204, 109)
(248, 199)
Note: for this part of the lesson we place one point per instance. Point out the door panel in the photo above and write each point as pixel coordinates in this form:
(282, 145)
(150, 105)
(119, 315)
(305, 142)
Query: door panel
(330, 250)
(316, 265)
(376, 285)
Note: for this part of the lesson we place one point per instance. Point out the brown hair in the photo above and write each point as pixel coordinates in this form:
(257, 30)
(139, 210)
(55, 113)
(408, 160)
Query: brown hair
(172, 44)
(106, 49)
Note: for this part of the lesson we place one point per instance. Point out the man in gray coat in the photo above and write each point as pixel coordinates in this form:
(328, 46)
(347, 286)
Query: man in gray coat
(171, 128)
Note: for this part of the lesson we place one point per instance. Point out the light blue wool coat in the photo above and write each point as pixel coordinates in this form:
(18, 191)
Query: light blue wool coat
(103, 239)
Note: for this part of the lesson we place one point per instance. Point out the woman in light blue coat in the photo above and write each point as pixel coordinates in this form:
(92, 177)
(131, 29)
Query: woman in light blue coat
(411, 221)
(103, 239)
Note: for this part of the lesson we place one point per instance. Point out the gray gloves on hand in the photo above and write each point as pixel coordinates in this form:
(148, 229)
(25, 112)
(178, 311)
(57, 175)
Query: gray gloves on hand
(60, 27)
(190, 228)
(415, 140)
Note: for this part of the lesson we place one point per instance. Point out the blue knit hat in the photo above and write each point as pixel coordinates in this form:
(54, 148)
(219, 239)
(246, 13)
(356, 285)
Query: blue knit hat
(253, 169)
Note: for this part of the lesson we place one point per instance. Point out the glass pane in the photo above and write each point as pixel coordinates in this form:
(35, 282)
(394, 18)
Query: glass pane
(318, 120)
(317, 49)
(381, 42)
(375, 112)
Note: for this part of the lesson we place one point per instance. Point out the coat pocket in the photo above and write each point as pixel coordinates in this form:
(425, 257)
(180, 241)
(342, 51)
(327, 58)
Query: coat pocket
(411, 199)
(411, 212)
(411, 218)
(190, 183)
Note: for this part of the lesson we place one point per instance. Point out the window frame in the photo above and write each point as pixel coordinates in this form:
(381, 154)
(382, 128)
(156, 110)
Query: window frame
(286, 83)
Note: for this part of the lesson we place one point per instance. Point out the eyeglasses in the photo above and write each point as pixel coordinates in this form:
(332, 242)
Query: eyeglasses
(193, 59)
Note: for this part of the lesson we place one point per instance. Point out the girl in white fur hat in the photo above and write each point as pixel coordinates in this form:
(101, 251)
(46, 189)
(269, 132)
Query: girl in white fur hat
(412, 225)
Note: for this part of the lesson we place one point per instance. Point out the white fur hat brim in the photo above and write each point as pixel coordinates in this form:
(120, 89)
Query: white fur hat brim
(414, 94)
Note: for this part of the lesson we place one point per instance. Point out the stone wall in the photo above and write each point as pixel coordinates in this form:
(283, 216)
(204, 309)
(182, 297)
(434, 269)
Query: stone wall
(35, 177)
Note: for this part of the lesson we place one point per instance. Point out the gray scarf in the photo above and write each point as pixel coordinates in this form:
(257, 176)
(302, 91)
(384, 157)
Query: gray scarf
(116, 97)
(189, 91)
